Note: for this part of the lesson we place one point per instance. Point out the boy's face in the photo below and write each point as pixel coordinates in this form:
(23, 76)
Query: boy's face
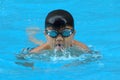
(59, 39)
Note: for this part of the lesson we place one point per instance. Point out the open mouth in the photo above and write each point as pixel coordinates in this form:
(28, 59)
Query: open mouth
(59, 46)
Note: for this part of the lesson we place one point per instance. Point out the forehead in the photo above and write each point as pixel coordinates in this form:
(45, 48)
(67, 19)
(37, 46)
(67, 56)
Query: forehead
(62, 28)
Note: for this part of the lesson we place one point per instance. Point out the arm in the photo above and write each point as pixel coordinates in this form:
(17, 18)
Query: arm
(34, 40)
(40, 48)
(31, 34)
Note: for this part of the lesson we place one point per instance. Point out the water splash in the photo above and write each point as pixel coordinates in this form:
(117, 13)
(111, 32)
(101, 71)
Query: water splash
(72, 53)
(72, 56)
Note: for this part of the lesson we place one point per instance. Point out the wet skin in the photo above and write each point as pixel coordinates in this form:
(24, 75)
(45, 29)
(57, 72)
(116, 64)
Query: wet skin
(59, 42)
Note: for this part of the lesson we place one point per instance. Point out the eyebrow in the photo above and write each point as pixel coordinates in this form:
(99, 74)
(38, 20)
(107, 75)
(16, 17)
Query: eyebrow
(67, 27)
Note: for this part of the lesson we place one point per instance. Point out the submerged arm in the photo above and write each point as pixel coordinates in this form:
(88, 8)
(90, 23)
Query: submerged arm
(31, 34)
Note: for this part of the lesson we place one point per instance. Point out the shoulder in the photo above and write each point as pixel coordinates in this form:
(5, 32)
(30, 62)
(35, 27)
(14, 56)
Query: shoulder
(80, 44)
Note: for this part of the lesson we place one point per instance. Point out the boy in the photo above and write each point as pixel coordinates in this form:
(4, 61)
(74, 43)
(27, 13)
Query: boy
(59, 31)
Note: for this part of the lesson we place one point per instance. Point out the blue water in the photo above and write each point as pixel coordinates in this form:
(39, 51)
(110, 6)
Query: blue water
(97, 24)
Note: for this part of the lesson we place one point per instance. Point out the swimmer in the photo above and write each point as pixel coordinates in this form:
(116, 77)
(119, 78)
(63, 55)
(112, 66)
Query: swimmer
(59, 32)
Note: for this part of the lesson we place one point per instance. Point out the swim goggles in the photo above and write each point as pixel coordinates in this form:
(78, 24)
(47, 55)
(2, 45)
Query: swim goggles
(64, 33)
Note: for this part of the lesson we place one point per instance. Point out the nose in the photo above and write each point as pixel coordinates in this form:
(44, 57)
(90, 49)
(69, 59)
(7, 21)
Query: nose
(59, 38)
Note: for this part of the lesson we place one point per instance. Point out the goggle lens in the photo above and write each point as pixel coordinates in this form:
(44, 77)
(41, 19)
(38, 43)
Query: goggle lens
(64, 33)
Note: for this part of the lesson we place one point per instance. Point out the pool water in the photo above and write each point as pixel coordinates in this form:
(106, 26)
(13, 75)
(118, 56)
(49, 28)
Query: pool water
(97, 24)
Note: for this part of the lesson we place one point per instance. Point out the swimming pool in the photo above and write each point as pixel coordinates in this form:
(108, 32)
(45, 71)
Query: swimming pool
(97, 24)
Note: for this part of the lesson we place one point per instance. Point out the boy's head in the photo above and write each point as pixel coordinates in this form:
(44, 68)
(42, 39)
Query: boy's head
(59, 19)
(59, 29)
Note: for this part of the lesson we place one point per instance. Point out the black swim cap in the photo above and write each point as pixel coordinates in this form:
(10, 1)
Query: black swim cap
(58, 19)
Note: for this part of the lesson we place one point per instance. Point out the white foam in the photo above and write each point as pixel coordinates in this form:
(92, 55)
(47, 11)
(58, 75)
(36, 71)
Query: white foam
(71, 53)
